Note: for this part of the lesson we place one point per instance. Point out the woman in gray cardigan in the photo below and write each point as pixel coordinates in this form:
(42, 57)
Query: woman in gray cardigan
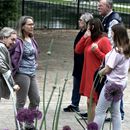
(7, 39)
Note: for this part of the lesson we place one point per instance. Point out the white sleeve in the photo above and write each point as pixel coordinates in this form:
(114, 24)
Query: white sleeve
(112, 59)
(112, 23)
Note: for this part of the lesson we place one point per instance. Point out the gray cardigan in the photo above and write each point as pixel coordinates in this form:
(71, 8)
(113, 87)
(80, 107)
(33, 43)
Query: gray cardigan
(5, 72)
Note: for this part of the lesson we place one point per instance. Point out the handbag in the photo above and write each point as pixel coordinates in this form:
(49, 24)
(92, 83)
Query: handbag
(98, 80)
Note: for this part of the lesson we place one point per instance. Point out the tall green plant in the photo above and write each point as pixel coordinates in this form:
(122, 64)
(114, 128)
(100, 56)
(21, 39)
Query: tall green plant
(45, 112)
(8, 11)
(60, 97)
(44, 84)
(59, 104)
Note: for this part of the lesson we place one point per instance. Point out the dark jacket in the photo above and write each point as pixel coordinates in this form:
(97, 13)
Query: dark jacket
(78, 58)
(109, 18)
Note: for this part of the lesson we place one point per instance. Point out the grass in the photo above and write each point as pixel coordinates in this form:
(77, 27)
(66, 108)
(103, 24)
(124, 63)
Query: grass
(123, 10)
(117, 9)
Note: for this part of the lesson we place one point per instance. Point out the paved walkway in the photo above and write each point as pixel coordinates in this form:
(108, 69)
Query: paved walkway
(6, 113)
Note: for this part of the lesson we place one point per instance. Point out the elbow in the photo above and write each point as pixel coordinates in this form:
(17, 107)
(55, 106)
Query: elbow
(108, 70)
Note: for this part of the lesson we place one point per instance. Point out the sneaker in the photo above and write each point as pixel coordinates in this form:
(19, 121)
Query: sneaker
(71, 108)
(108, 119)
(84, 115)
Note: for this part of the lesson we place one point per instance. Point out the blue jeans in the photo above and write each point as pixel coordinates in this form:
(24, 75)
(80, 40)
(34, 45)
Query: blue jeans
(122, 109)
(75, 92)
(101, 108)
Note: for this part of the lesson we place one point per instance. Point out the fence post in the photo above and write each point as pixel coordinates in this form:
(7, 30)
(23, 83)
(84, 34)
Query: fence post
(78, 3)
(23, 7)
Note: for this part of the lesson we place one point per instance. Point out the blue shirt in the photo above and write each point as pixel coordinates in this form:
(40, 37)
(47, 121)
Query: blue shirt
(28, 63)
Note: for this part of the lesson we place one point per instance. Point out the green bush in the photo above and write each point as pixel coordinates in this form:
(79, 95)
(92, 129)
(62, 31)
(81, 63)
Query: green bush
(8, 11)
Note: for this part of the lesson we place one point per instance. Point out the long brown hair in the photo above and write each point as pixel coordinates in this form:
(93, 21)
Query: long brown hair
(121, 39)
(96, 28)
(21, 22)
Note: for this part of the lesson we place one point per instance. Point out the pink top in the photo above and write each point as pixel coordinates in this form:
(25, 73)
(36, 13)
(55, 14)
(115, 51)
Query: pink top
(120, 66)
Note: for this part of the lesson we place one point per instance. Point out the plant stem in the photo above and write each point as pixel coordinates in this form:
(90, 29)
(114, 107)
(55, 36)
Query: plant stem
(60, 102)
(54, 118)
(44, 84)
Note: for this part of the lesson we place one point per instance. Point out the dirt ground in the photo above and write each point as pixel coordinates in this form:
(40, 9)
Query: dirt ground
(62, 48)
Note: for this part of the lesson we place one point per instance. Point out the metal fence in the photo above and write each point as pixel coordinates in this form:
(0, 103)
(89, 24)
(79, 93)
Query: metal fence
(65, 15)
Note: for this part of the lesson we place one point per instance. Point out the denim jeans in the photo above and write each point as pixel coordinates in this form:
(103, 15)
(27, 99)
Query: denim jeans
(122, 109)
(75, 92)
(101, 109)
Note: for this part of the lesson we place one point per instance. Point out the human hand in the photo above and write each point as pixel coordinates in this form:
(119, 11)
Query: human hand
(101, 72)
(94, 46)
(16, 87)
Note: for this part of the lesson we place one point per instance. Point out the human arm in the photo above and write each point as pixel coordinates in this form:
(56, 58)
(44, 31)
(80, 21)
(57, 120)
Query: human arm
(5, 68)
(10, 81)
(105, 70)
(15, 55)
(101, 47)
(112, 59)
(82, 43)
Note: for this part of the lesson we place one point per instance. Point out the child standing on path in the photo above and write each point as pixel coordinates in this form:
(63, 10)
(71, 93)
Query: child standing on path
(116, 70)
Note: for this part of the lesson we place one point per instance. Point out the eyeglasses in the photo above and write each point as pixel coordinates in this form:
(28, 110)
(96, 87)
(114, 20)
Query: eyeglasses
(31, 24)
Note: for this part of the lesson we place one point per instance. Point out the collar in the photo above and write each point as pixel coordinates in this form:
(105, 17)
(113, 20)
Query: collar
(107, 15)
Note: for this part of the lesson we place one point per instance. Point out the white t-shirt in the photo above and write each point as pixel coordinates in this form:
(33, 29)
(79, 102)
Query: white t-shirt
(120, 66)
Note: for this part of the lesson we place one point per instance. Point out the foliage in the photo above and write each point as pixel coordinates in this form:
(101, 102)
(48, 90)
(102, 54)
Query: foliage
(113, 92)
(8, 11)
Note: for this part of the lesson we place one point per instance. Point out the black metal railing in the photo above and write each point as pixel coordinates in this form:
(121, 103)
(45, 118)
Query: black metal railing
(64, 15)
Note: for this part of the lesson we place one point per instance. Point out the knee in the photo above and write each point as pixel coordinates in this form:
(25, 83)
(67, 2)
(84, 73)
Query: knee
(20, 105)
(36, 102)
(116, 114)
(100, 111)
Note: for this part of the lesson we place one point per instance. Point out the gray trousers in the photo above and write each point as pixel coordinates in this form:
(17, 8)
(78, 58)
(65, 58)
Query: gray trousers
(101, 109)
(28, 88)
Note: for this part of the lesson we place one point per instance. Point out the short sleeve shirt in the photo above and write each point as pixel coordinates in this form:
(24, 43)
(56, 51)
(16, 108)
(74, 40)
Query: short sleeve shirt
(120, 66)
